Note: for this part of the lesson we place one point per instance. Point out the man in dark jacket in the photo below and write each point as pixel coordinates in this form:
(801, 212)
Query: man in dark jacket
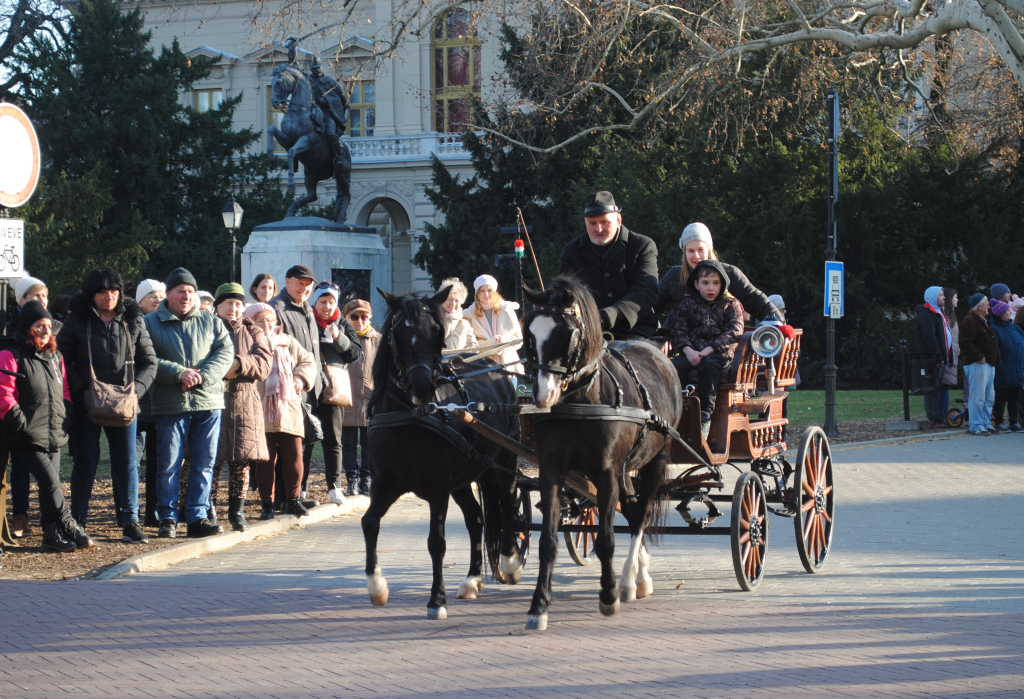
(298, 320)
(113, 327)
(980, 352)
(618, 266)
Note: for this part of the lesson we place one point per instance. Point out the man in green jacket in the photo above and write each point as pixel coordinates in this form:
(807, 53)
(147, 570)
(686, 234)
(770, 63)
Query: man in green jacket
(194, 352)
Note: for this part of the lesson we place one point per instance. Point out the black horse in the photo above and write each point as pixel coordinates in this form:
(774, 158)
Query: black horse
(435, 456)
(599, 397)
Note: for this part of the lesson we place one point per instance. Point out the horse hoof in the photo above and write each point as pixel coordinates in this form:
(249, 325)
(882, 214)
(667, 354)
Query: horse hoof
(629, 594)
(609, 609)
(644, 589)
(537, 622)
(377, 586)
(437, 613)
(470, 587)
(510, 569)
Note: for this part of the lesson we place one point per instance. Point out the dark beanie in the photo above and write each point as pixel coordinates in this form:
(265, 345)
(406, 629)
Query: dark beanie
(999, 291)
(30, 313)
(180, 276)
(100, 280)
(975, 300)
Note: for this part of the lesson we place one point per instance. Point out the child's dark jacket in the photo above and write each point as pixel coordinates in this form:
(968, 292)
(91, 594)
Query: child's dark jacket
(699, 323)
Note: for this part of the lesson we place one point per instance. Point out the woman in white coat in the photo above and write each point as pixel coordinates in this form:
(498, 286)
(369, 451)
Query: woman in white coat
(494, 320)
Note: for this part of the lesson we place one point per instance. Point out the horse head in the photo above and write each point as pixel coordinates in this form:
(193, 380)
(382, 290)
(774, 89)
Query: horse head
(561, 337)
(286, 78)
(413, 339)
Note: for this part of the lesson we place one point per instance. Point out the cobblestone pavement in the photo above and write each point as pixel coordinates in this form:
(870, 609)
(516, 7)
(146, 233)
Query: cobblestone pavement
(922, 597)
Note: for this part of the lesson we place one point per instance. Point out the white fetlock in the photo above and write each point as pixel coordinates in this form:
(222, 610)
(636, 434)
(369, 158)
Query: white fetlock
(511, 568)
(644, 583)
(377, 586)
(437, 613)
(629, 594)
(609, 609)
(471, 587)
(629, 570)
(537, 622)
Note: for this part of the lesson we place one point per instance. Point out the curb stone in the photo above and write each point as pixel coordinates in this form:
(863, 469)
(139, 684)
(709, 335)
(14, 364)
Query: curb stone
(950, 434)
(194, 548)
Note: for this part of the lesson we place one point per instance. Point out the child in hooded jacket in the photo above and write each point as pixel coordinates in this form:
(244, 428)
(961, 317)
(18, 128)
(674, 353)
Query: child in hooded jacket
(706, 327)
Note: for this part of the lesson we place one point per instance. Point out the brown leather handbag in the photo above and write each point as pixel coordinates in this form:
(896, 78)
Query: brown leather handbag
(109, 405)
(338, 390)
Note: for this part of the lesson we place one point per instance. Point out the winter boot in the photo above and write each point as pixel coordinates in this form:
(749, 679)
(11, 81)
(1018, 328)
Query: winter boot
(74, 531)
(54, 539)
(268, 511)
(236, 514)
(295, 507)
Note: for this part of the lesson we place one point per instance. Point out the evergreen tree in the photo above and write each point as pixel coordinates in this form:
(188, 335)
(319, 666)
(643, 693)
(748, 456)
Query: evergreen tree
(132, 179)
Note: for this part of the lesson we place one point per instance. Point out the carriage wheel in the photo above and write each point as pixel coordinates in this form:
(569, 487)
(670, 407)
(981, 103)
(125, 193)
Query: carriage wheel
(815, 499)
(524, 518)
(581, 545)
(749, 530)
(955, 418)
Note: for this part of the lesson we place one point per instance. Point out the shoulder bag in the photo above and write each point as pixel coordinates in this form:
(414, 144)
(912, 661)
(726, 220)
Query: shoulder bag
(109, 405)
(338, 390)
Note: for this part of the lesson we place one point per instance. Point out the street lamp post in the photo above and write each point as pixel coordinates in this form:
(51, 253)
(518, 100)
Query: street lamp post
(232, 215)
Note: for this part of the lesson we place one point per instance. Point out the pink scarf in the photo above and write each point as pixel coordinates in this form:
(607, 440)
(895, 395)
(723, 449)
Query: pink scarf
(280, 384)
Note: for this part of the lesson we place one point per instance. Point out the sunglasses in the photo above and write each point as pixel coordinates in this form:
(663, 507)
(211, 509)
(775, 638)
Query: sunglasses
(327, 285)
(357, 316)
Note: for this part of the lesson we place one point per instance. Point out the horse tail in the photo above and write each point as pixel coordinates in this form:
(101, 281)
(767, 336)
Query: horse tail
(490, 496)
(653, 477)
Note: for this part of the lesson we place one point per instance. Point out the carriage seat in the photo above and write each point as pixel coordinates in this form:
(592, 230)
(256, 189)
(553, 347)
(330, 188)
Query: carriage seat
(738, 376)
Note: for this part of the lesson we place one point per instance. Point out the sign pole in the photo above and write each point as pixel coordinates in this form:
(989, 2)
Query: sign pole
(830, 255)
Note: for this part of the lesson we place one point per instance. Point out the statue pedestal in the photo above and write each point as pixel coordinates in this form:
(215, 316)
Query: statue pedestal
(353, 257)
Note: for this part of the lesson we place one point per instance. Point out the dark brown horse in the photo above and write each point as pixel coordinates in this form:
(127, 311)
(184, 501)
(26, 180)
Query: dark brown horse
(597, 396)
(435, 456)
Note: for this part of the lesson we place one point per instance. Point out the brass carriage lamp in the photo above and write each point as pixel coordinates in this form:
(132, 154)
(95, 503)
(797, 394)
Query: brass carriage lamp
(232, 215)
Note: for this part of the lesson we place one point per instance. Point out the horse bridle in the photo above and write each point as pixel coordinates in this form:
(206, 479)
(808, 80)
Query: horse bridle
(400, 375)
(298, 107)
(572, 372)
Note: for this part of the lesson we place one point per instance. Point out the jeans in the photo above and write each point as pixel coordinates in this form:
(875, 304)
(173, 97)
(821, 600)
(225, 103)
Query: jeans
(200, 431)
(124, 472)
(350, 438)
(46, 470)
(983, 395)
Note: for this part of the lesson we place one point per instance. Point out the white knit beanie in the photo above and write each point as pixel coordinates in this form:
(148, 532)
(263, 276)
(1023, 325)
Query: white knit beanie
(23, 286)
(696, 232)
(147, 287)
(776, 300)
(485, 280)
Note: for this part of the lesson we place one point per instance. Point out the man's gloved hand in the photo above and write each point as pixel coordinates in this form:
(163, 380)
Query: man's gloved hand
(606, 319)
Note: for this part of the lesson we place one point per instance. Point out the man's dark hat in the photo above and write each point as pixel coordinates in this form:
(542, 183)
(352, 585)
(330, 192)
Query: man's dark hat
(599, 204)
(300, 272)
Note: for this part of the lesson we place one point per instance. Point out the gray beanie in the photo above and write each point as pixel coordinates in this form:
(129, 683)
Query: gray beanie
(696, 232)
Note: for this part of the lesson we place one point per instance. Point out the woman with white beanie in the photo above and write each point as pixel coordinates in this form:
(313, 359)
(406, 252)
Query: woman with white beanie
(697, 246)
(494, 321)
(148, 294)
(30, 289)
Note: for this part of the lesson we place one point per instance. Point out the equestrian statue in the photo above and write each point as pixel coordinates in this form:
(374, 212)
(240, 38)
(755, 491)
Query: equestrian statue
(315, 116)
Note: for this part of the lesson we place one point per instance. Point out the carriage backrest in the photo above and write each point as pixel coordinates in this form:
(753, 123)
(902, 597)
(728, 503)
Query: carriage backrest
(742, 375)
(785, 361)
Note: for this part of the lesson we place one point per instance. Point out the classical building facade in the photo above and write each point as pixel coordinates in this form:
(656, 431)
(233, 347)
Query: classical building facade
(402, 111)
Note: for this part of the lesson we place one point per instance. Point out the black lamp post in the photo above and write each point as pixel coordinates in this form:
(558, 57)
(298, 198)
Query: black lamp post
(232, 214)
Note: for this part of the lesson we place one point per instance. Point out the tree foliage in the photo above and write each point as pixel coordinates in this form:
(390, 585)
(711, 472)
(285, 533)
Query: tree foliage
(131, 177)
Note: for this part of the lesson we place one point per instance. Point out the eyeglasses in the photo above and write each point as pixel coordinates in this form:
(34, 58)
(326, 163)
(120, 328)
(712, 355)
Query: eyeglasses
(356, 316)
(327, 285)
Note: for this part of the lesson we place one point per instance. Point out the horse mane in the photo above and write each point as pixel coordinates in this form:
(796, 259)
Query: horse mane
(567, 290)
(409, 307)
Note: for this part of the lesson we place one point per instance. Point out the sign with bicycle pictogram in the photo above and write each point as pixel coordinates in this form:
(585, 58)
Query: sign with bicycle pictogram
(12, 248)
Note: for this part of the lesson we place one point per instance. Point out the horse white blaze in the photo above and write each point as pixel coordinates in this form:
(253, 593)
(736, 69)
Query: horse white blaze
(631, 568)
(549, 386)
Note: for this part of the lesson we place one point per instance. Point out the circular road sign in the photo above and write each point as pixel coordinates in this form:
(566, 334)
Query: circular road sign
(19, 157)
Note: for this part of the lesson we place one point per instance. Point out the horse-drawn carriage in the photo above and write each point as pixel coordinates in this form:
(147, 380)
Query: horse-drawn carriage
(611, 430)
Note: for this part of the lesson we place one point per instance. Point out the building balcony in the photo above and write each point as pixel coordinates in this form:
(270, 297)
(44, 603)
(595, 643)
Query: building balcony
(397, 149)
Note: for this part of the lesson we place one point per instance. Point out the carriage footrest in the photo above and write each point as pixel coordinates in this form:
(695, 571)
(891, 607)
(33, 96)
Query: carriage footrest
(622, 529)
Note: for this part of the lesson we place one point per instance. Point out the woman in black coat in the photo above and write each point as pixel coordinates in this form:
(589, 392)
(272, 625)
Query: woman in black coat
(118, 335)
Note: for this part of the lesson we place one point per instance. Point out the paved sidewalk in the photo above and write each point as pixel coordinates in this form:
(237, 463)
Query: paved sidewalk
(923, 596)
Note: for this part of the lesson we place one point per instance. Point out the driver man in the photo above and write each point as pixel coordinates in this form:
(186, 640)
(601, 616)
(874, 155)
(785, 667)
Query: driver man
(331, 99)
(619, 267)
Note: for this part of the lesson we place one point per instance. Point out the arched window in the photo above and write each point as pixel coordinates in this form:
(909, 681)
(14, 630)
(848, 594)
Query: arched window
(456, 70)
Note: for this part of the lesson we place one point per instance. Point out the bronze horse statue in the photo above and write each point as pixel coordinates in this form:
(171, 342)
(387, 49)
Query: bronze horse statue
(305, 142)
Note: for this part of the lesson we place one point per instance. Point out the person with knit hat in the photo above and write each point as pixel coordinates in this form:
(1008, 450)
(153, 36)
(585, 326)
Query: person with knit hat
(29, 289)
(339, 347)
(32, 419)
(242, 442)
(353, 430)
(292, 373)
(1009, 379)
(935, 337)
(206, 301)
(149, 293)
(494, 321)
(696, 244)
(194, 352)
(619, 266)
(104, 336)
(980, 351)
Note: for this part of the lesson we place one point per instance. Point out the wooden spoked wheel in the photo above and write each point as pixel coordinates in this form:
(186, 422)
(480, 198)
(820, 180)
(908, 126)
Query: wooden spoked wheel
(749, 530)
(524, 518)
(581, 545)
(815, 499)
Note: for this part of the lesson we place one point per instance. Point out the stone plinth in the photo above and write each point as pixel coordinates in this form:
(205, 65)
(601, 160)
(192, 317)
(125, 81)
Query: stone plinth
(354, 257)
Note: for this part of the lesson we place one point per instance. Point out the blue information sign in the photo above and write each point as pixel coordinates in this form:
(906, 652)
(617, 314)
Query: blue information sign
(835, 303)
